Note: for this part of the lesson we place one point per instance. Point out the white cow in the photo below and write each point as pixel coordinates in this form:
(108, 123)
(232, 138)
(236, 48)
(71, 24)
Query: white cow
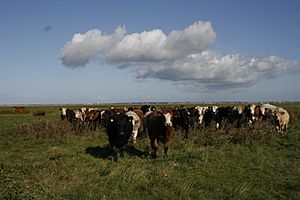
(136, 122)
(268, 106)
(283, 119)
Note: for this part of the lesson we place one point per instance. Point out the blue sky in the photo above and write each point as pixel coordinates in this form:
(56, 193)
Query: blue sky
(127, 51)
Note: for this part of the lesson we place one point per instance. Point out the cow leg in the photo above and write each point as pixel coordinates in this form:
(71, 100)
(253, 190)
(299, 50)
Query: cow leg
(166, 147)
(115, 153)
(154, 146)
(134, 135)
(94, 125)
(186, 133)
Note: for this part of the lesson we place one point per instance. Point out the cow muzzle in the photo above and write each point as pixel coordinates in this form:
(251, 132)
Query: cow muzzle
(168, 123)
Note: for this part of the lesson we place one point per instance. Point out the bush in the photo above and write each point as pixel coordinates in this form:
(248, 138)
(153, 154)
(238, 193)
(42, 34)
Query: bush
(56, 130)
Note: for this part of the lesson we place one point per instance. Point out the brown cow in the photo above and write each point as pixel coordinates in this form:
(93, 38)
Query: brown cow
(18, 109)
(160, 129)
(93, 118)
(257, 113)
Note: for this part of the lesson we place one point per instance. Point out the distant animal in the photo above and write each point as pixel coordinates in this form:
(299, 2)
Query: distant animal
(160, 129)
(18, 109)
(39, 113)
(119, 129)
(282, 119)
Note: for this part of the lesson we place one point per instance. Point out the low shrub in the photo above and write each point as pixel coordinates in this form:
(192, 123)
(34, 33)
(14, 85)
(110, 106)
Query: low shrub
(42, 129)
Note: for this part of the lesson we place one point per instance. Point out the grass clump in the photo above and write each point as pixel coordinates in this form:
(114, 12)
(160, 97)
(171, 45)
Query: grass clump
(41, 130)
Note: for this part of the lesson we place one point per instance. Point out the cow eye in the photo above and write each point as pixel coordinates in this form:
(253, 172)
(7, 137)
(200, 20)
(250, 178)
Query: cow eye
(111, 120)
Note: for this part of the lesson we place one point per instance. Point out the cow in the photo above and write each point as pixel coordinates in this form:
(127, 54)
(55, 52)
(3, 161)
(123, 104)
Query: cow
(181, 120)
(193, 116)
(267, 112)
(230, 114)
(246, 116)
(136, 122)
(201, 111)
(282, 119)
(160, 129)
(256, 113)
(63, 113)
(93, 118)
(147, 108)
(18, 109)
(39, 113)
(221, 114)
(208, 116)
(119, 130)
(252, 107)
(267, 106)
(74, 117)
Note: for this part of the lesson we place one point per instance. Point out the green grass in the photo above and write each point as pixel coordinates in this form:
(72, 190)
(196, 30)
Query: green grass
(55, 163)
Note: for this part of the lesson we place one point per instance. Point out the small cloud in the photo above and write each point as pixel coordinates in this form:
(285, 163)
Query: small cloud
(47, 28)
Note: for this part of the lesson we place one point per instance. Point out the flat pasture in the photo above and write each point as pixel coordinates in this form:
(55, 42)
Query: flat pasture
(42, 158)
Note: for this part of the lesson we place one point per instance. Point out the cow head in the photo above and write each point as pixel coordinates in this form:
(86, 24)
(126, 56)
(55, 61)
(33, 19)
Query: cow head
(120, 126)
(63, 113)
(168, 116)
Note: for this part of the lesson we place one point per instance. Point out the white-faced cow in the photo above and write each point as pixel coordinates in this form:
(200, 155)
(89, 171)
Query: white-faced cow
(160, 129)
(75, 117)
(136, 122)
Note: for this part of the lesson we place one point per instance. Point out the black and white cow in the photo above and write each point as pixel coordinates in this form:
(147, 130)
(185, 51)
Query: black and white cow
(227, 114)
(147, 108)
(193, 116)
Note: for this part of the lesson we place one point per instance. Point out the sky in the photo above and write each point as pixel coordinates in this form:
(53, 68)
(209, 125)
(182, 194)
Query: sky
(89, 51)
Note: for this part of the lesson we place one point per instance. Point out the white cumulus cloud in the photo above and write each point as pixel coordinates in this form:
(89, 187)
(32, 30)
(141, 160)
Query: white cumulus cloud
(85, 47)
(182, 56)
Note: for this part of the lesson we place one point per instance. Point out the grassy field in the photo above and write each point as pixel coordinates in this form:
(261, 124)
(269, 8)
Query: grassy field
(41, 158)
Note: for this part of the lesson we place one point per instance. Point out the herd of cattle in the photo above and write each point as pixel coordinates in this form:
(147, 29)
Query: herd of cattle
(123, 124)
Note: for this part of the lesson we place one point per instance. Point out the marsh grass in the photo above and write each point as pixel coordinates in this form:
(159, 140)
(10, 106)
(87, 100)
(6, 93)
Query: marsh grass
(45, 159)
(42, 130)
